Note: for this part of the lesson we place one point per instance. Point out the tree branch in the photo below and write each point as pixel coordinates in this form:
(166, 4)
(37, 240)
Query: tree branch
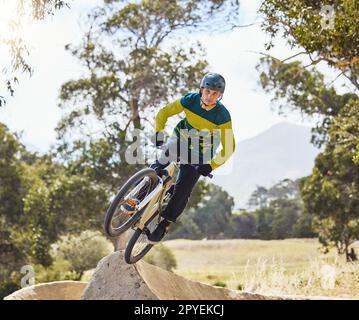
(245, 25)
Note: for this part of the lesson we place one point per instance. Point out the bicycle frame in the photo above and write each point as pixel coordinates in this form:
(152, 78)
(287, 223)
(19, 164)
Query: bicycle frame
(155, 197)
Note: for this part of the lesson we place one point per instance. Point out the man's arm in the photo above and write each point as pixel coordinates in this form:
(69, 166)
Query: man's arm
(228, 145)
(166, 112)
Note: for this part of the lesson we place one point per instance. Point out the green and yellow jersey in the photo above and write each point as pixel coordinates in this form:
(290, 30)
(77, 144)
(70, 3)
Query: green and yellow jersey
(217, 122)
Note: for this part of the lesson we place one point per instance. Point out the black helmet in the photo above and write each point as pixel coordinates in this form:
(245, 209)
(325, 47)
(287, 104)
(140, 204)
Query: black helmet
(213, 81)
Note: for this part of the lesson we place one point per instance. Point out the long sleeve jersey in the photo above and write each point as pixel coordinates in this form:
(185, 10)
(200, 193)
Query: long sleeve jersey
(217, 122)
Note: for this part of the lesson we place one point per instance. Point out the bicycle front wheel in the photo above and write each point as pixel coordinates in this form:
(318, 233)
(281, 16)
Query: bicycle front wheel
(117, 219)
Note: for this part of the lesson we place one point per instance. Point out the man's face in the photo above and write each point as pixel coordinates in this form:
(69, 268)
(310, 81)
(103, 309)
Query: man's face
(210, 97)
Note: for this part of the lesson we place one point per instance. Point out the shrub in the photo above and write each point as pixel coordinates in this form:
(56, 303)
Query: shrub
(162, 257)
(220, 284)
(79, 253)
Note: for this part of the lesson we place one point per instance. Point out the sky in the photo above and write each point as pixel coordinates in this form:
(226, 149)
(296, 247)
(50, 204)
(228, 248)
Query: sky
(34, 109)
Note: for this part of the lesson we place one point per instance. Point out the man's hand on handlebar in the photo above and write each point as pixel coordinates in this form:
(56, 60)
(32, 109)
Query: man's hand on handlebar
(204, 169)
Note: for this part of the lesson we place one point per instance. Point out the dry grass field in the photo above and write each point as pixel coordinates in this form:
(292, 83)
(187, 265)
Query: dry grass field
(291, 266)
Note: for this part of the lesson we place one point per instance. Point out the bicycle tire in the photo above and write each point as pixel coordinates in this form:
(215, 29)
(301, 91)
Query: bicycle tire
(131, 244)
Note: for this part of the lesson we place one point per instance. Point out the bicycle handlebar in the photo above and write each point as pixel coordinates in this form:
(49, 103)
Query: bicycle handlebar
(195, 166)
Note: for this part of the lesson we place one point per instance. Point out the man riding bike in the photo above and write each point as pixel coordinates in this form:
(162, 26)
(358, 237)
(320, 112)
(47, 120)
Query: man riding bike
(207, 121)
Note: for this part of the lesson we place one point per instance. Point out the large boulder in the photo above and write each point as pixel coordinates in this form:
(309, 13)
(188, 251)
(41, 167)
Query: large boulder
(114, 279)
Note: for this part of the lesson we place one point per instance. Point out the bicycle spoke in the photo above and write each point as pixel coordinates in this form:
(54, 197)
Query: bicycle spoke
(119, 217)
(140, 245)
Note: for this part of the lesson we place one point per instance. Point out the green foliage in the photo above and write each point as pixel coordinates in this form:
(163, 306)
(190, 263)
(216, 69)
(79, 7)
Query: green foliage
(220, 284)
(185, 228)
(209, 219)
(259, 198)
(162, 257)
(130, 79)
(11, 191)
(296, 88)
(39, 202)
(213, 216)
(331, 193)
(284, 189)
(278, 214)
(60, 270)
(80, 252)
(303, 25)
(244, 226)
(12, 255)
(56, 203)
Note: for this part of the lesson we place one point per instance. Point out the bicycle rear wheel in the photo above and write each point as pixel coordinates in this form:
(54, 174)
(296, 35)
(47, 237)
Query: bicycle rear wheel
(117, 219)
(138, 245)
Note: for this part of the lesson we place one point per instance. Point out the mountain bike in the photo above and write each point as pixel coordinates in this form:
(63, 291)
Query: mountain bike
(138, 206)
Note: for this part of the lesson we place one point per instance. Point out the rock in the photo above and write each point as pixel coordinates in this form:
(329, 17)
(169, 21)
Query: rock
(114, 279)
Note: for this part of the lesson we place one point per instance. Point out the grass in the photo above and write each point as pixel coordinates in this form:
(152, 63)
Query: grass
(291, 266)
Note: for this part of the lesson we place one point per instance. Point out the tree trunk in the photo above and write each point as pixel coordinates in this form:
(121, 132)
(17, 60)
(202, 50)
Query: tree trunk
(135, 113)
(119, 242)
(80, 274)
(346, 250)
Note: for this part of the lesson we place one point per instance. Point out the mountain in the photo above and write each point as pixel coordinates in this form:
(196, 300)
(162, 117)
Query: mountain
(282, 151)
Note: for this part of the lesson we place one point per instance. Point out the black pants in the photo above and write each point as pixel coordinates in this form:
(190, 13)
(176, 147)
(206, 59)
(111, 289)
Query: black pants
(185, 182)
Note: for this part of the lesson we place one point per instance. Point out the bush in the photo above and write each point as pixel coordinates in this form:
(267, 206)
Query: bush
(7, 288)
(220, 284)
(162, 257)
(76, 254)
(59, 270)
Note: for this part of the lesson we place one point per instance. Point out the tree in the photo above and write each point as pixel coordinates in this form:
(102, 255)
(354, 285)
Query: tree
(39, 202)
(303, 24)
(261, 197)
(213, 214)
(331, 192)
(264, 219)
(244, 226)
(285, 215)
(12, 256)
(281, 215)
(126, 81)
(284, 189)
(323, 31)
(57, 203)
(296, 88)
(208, 216)
(258, 198)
